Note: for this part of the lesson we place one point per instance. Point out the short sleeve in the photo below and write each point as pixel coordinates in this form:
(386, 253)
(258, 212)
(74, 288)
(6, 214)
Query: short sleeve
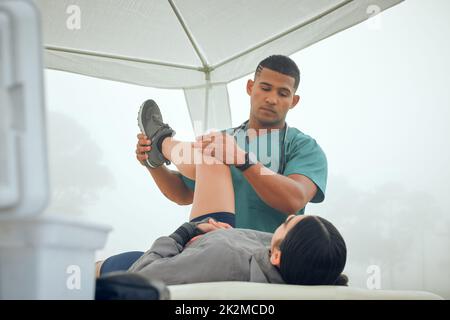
(188, 182)
(304, 156)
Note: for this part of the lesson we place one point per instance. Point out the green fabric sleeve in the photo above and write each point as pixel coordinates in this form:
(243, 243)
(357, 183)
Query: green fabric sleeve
(306, 157)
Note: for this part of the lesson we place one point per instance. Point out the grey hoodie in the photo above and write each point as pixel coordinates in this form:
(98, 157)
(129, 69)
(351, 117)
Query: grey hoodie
(221, 255)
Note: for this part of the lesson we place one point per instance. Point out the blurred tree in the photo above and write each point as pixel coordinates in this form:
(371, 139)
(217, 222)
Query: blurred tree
(77, 174)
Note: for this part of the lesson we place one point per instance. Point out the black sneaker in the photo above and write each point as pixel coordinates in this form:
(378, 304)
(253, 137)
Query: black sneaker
(151, 124)
(123, 285)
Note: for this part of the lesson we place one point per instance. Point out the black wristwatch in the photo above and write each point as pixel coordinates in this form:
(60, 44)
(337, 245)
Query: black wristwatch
(250, 160)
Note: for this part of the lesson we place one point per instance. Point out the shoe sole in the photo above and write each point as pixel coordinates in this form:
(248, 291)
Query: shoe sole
(141, 126)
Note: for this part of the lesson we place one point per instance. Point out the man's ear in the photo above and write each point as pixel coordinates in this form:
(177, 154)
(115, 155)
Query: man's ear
(275, 257)
(295, 101)
(250, 84)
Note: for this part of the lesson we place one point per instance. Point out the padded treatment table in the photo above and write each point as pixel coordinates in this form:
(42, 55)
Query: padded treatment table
(236, 290)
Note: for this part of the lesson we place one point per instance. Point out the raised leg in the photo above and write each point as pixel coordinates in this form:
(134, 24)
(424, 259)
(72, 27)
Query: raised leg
(213, 188)
(182, 155)
(213, 184)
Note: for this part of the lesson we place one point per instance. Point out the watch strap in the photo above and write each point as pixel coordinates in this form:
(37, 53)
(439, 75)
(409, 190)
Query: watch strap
(247, 164)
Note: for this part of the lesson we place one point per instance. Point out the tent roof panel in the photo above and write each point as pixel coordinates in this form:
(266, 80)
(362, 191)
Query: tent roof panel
(137, 29)
(230, 27)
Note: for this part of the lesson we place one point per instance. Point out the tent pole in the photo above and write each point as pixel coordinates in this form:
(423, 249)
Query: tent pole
(189, 35)
(123, 58)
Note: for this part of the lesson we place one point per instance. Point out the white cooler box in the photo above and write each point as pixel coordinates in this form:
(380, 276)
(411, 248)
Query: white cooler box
(48, 258)
(40, 257)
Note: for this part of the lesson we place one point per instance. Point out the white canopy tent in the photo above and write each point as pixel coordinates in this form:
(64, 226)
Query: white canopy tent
(195, 45)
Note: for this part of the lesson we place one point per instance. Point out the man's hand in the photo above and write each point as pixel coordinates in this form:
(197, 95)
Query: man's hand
(142, 147)
(221, 146)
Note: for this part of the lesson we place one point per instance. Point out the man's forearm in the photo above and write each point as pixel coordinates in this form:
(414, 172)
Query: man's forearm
(277, 191)
(171, 185)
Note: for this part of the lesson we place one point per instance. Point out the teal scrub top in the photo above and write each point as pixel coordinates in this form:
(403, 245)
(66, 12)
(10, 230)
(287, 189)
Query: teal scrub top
(302, 156)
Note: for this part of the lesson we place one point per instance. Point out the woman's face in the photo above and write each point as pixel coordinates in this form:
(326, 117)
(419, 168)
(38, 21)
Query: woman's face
(283, 229)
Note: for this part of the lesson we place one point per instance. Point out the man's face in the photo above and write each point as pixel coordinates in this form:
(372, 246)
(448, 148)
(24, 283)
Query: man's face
(271, 97)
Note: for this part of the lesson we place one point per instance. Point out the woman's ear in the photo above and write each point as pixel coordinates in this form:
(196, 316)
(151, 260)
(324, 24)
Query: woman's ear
(275, 257)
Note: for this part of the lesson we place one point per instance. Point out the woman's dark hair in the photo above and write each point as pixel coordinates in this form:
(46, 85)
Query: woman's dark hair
(281, 64)
(313, 253)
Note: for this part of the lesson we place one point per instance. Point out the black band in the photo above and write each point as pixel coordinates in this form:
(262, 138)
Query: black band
(247, 164)
(187, 231)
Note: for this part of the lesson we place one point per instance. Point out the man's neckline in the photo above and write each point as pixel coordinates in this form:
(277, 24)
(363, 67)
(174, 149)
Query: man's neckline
(263, 131)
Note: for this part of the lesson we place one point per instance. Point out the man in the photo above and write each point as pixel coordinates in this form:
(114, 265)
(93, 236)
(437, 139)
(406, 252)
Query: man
(304, 250)
(263, 199)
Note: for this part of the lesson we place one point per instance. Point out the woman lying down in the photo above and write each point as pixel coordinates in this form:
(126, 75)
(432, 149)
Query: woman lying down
(304, 250)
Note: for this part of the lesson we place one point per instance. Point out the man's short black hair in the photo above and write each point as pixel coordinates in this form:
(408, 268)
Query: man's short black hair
(281, 64)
